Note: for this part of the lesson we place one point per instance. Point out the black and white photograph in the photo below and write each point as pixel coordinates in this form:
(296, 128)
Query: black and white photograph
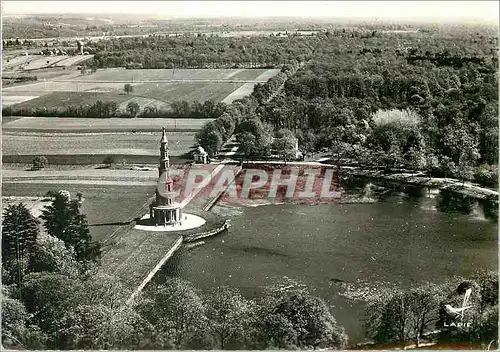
(249, 175)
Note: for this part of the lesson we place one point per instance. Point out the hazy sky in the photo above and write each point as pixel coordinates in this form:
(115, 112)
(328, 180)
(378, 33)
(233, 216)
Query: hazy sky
(435, 10)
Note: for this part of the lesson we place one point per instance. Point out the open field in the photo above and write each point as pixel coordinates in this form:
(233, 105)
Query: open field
(163, 85)
(66, 86)
(59, 100)
(16, 99)
(122, 74)
(128, 143)
(38, 62)
(199, 91)
(70, 124)
(74, 60)
(242, 91)
(35, 62)
(121, 203)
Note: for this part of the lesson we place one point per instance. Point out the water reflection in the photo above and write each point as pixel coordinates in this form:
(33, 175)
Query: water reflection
(364, 190)
(451, 202)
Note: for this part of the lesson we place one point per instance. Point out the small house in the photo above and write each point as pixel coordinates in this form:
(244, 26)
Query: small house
(200, 156)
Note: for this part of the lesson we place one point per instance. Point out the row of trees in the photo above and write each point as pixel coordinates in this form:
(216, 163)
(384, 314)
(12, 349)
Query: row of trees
(242, 116)
(223, 318)
(107, 109)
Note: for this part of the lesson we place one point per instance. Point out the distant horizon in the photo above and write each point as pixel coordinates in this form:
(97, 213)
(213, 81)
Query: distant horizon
(390, 11)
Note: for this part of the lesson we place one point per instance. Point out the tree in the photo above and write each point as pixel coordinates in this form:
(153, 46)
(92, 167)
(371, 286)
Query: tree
(299, 320)
(109, 160)
(133, 108)
(284, 144)
(39, 162)
(48, 296)
(247, 144)
(19, 234)
(210, 138)
(14, 317)
(227, 313)
(97, 326)
(177, 310)
(62, 219)
(128, 88)
(402, 316)
(50, 254)
(16, 333)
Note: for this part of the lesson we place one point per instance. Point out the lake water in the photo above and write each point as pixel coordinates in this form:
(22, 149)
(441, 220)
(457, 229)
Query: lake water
(396, 237)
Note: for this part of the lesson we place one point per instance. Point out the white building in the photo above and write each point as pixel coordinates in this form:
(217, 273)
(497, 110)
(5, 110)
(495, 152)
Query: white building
(200, 155)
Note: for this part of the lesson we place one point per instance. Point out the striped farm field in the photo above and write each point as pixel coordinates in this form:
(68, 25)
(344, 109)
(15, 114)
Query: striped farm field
(61, 100)
(122, 74)
(89, 125)
(154, 87)
(72, 144)
(41, 88)
(190, 91)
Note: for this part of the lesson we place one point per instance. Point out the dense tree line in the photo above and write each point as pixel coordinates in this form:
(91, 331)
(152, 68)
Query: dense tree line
(450, 93)
(107, 109)
(203, 52)
(242, 116)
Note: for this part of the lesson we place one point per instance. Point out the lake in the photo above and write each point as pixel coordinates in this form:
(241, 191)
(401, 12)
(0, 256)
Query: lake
(397, 237)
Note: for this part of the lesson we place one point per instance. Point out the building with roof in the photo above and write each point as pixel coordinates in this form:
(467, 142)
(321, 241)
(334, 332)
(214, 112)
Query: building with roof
(200, 155)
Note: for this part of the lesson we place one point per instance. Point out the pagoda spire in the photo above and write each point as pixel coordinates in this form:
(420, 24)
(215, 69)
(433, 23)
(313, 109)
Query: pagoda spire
(164, 158)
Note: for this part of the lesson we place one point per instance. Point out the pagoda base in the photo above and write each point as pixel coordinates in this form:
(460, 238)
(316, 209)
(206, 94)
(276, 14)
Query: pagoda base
(165, 215)
(189, 221)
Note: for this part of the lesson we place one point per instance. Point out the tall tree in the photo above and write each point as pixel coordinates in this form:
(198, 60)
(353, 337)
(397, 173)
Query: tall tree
(284, 143)
(19, 234)
(62, 219)
(227, 313)
(177, 310)
(299, 320)
(398, 316)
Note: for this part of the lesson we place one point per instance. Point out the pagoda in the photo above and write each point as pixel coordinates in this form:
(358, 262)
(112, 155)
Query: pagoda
(164, 210)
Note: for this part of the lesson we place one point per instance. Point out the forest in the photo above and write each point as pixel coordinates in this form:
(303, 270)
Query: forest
(420, 101)
(202, 51)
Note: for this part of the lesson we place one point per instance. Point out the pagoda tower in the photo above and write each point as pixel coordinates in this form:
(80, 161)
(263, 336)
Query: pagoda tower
(164, 210)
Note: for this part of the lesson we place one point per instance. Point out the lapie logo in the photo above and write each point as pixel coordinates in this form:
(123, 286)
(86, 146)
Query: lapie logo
(460, 311)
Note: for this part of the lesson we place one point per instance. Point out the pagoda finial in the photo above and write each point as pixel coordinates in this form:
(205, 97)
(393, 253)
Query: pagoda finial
(164, 135)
